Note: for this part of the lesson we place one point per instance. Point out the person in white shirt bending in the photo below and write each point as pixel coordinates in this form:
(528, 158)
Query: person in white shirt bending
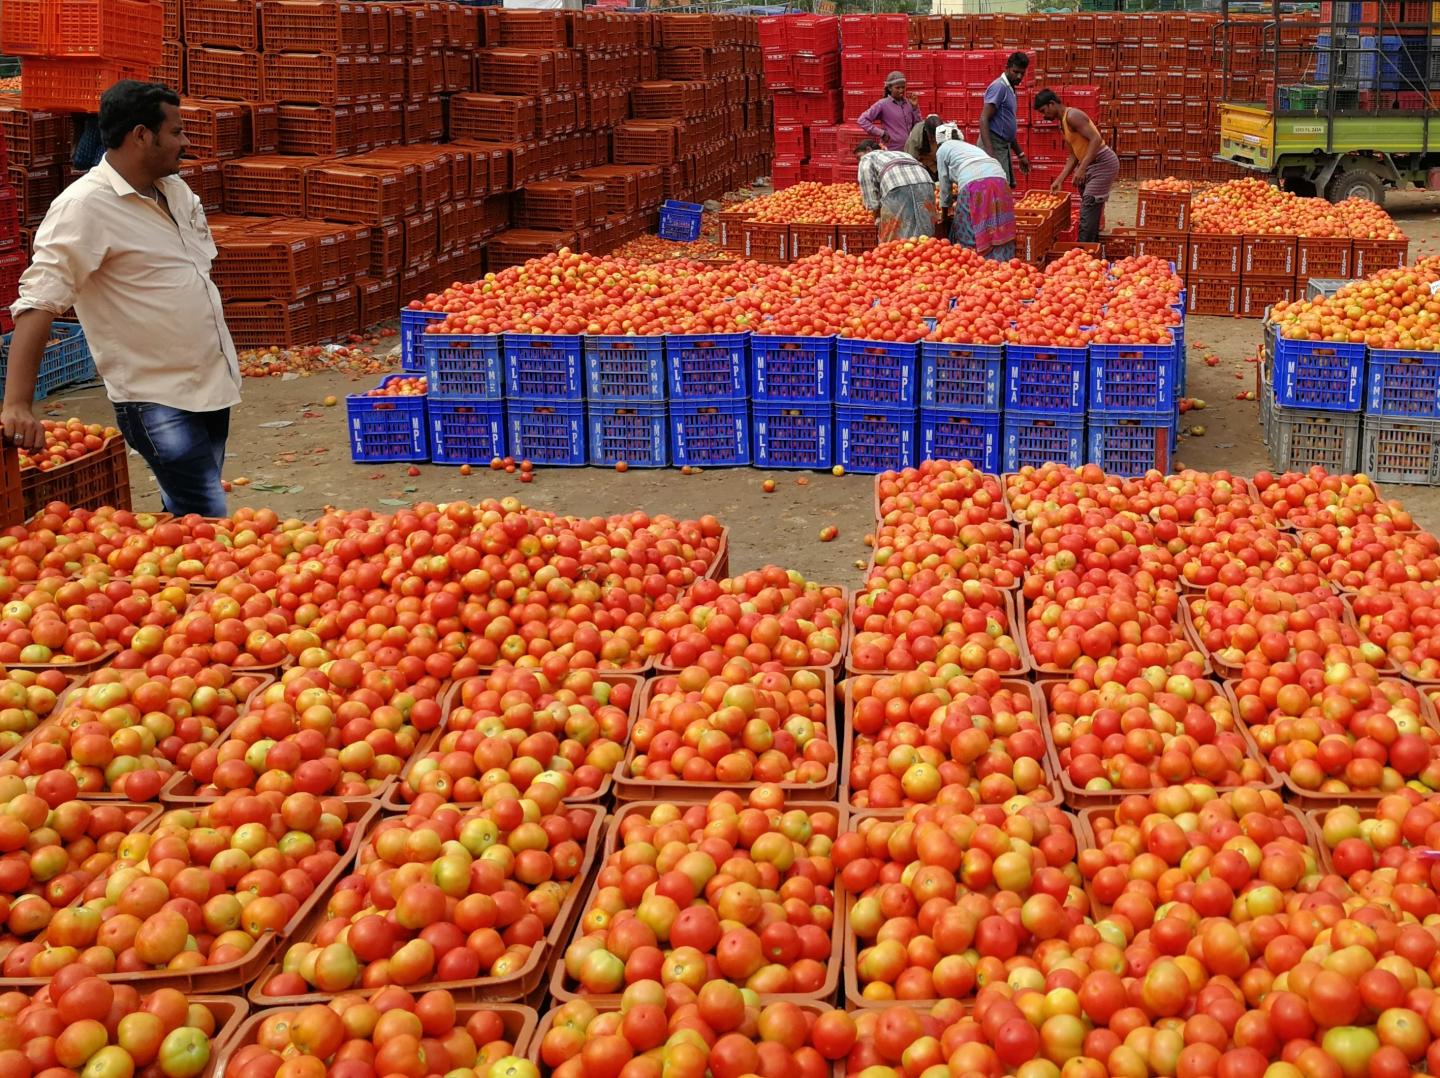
(975, 195)
(128, 247)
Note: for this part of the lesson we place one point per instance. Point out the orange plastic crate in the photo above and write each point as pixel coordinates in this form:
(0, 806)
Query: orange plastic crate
(117, 30)
(214, 128)
(265, 185)
(364, 196)
(315, 26)
(493, 117)
(224, 24)
(73, 85)
(229, 74)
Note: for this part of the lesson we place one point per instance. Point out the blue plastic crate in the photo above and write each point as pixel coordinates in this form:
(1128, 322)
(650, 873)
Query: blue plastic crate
(634, 432)
(710, 367)
(412, 324)
(968, 376)
(794, 435)
(972, 436)
(549, 368)
(1403, 384)
(791, 369)
(462, 365)
(680, 220)
(1319, 375)
(1131, 443)
(1045, 379)
(387, 428)
(466, 431)
(1132, 377)
(875, 373)
(871, 439)
(1038, 439)
(547, 432)
(709, 433)
(625, 368)
(66, 359)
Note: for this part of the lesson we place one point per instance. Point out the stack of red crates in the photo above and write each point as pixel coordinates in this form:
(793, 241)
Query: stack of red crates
(12, 258)
(803, 67)
(74, 51)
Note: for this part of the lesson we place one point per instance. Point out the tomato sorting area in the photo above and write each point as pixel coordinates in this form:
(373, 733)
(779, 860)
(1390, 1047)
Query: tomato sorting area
(1115, 775)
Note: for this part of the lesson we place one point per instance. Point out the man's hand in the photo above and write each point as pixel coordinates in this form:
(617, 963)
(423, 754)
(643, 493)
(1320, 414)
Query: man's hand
(1055, 184)
(21, 427)
(1079, 178)
(1024, 161)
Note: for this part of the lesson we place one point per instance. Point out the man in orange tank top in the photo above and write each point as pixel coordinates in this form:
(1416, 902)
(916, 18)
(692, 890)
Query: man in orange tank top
(1094, 164)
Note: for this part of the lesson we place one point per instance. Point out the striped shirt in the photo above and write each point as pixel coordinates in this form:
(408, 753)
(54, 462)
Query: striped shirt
(883, 171)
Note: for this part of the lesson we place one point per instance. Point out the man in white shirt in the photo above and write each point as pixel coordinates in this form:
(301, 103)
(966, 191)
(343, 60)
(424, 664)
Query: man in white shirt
(128, 247)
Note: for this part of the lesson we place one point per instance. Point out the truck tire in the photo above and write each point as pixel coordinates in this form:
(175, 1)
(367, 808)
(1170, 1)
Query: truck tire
(1355, 183)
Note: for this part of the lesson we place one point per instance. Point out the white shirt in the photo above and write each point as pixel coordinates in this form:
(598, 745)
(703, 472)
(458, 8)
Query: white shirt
(140, 283)
(958, 163)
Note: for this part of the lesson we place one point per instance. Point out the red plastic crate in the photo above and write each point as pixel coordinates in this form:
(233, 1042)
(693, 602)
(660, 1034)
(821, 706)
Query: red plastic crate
(35, 189)
(222, 24)
(33, 137)
(1372, 256)
(319, 130)
(72, 85)
(131, 31)
(205, 178)
(1213, 295)
(1259, 292)
(314, 26)
(365, 196)
(229, 74)
(516, 71)
(215, 128)
(265, 185)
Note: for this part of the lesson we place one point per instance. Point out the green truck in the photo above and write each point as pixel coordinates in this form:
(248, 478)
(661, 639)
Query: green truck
(1338, 157)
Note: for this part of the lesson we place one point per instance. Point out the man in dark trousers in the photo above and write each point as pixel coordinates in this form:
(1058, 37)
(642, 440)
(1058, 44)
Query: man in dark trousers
(998, 122)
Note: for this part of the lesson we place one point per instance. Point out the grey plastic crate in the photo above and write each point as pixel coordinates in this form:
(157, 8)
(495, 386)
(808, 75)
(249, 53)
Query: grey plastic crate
(1401, 450)
(1300, 438)
(1320, 287)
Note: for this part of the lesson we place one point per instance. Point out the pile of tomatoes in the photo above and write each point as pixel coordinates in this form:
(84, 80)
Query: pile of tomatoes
(1088, 776)
(899, 291)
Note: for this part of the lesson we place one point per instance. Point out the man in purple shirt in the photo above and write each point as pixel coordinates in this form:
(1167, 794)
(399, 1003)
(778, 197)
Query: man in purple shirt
(890, 119)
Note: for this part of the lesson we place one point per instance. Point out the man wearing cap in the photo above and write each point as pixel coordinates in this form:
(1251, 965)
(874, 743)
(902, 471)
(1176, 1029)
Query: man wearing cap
(890, 120)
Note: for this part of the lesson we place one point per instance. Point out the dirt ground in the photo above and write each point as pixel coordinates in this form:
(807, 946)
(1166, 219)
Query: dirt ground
(299, 468)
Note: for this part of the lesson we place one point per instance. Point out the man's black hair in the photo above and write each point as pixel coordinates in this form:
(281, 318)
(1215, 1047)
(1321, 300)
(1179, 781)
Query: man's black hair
(1018, 59)
(130, 104)
(1045, 97)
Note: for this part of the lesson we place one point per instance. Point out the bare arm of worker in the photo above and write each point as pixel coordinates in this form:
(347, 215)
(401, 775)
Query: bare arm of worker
(1087, 131)
(869, 123)
(986, 115)
(22, 367)
(1070, 164)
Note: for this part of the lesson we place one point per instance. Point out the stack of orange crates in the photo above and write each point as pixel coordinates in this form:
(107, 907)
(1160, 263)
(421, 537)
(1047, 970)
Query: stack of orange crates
(74, 51)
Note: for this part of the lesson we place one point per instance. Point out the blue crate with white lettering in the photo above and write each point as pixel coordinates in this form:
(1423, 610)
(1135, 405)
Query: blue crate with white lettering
(462, 365)
(544, 367)
(966, 376)
(680, 221)
(65, 361)
(1033, 439)
(709, 433)
(385, 429)
(875, 373)
(633, 432)
(625, 368)
(793, 435)
(1403, 384)
(547, 432)
(1321, 375)
(972, 436)
(1043, 378)
(870, 439)
(412, 324)
(712, 367)
(1130, 443)
(466, 431)
(1132, 377)
(791, 369)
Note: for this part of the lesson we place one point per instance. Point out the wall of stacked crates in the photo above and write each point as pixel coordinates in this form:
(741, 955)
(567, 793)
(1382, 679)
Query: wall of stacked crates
(770, 401)
(1349, 407)
(1149, 81)
(1370, 56)
(354, 156)
(1238, 275)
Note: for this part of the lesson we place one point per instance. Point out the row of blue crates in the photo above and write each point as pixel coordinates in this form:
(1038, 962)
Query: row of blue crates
(738, 433)
(1334, 376)
(65, 362)
(989, 378)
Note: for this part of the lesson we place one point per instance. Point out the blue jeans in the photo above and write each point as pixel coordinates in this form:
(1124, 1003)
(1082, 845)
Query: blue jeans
(185, 450)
